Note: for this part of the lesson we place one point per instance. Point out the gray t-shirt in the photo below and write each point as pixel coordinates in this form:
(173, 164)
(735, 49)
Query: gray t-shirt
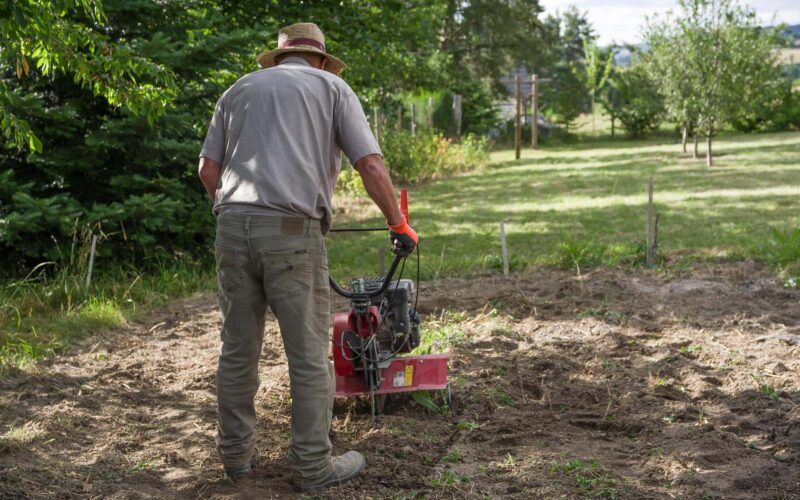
(278, 134)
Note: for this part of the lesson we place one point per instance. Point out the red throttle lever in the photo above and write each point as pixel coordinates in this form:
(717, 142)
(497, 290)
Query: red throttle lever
(404, 204)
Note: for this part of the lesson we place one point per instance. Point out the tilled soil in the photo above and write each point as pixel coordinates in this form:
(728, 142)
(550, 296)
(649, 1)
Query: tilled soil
(626, 384)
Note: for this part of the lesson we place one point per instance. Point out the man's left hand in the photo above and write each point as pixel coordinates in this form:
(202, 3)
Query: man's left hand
(404, 239)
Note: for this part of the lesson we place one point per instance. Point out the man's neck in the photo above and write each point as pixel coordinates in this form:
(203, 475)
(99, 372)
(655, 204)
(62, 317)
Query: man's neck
(295, 60)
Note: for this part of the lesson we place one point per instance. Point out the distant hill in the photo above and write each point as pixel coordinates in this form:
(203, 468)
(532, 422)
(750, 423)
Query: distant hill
(794, 32)
(622, 55)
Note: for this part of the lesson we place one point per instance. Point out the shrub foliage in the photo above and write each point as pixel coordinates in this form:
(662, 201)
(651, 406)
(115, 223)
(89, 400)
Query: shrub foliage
(430, 155)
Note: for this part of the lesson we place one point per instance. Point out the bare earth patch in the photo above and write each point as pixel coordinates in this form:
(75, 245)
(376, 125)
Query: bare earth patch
(626, 384)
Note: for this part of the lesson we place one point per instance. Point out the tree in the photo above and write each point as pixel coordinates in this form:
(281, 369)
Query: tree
(595, 72)
(483, 41)
(706, 58)
(565, 95)
(390, 46)
(575, 28)
(665, 61)
(40, 35)
(771, 89)
(633, 98)
(489, 38)
(122, 173)
(111, 165)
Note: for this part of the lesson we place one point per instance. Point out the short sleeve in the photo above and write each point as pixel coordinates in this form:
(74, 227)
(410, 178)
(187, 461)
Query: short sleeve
(353, 134)
(214, 145)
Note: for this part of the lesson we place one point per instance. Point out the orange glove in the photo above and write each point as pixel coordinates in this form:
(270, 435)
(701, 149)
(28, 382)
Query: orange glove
(404, 239)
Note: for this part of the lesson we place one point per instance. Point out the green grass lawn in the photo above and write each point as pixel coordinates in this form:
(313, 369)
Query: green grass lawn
(581, 204)
(560, 201)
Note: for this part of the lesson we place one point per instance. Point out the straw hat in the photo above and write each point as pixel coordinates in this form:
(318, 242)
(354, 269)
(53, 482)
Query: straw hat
(301, 37)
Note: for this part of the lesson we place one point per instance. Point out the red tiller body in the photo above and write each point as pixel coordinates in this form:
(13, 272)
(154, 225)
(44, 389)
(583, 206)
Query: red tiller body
(402, 374)
(365, 350)
(406, 374)
(342, 322)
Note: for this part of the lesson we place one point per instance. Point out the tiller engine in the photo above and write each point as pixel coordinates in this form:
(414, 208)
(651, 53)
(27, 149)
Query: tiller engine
(382, 324)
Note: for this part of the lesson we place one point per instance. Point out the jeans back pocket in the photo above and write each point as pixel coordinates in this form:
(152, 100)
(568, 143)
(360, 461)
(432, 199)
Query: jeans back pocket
(229, 268)
(287, 272)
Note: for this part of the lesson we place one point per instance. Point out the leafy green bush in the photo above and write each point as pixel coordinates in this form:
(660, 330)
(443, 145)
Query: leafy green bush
(349, 182)
(580, 254)
(773, 106)
(786, 115)
(149, 220)
(430, 155)
(634, 100)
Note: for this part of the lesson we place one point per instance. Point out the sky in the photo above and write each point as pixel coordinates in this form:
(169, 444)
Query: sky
(621, 21)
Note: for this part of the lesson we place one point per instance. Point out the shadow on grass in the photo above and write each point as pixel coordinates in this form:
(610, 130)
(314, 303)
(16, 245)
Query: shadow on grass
(728, 214)
(574, 195)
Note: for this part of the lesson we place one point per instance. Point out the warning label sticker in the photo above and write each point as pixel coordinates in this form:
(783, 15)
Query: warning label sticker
(409, 376)
(403, 378)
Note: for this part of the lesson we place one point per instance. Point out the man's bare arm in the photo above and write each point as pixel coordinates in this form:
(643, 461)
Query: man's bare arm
(379, 187)
(209, 172)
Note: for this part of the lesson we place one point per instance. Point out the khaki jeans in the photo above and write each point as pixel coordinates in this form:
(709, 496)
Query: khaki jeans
(278, 262)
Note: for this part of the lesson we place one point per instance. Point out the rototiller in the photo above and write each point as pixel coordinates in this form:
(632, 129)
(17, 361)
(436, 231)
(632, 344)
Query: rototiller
(382, 324)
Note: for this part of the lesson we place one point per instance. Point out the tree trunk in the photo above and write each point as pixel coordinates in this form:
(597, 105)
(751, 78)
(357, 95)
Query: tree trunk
(709, 157)
(594, 129)
(685, 136)
(694, 152)
(612, 126)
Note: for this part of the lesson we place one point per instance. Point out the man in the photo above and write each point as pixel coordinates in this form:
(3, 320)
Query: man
(270, 162)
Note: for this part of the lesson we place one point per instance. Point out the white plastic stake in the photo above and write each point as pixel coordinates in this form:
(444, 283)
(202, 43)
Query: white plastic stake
(91, 262)
(504, 247)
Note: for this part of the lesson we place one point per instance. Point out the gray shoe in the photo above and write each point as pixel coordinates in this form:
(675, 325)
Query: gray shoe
(241, 472)
(345, 468)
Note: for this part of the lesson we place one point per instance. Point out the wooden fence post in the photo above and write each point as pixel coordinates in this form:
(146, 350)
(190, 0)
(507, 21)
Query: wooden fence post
(457, 115)
(651, 226)
(430, 112)
(535, 112)
(518, 122)
(413, 119)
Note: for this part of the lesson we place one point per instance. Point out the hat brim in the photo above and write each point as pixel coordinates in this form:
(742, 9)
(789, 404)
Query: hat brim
(267, 59)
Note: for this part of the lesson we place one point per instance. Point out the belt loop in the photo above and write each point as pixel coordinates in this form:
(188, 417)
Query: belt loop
(308, 226)
(247, 225)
